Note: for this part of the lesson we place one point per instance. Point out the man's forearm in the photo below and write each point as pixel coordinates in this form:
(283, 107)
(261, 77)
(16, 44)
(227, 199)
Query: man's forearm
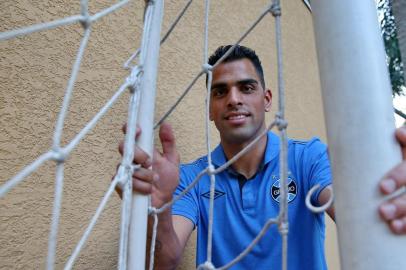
(168, 249)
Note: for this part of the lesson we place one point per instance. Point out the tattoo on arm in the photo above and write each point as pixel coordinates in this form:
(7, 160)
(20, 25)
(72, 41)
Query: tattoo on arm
(158, 244)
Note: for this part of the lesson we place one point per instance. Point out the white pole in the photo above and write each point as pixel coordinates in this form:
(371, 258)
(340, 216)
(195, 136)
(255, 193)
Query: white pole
(139, 212)
(360, 128)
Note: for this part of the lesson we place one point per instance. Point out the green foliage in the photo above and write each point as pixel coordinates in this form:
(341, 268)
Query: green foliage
(393, 57)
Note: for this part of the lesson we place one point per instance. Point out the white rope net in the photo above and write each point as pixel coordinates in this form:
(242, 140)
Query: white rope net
(59, 153)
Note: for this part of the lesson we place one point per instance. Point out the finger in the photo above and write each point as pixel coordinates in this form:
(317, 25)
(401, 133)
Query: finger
(119, 191)
(401, 137)
(397, 176)
(145, 175)
(168, 143)
(394, 209)
(395, 179)
(140, 157)
(137, 131)
(398, 226)
(142, 186)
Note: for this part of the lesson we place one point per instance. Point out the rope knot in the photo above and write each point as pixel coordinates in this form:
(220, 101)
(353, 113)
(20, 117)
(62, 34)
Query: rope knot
(207, 67)
(121, 182)
(125, 173)
(210, 169)
(152, 210)
(206, 266)
(275, 10)
(86, 21)
(59, 155)
(281, 123)
(133, 78)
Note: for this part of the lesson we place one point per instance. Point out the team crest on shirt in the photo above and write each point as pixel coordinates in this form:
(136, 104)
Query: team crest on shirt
(292, 189)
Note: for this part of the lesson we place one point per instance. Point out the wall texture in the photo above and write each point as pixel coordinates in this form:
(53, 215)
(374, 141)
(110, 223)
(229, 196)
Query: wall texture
(34, 70)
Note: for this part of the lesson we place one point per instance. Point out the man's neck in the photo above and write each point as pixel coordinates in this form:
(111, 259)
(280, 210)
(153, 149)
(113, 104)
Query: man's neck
(248, 163)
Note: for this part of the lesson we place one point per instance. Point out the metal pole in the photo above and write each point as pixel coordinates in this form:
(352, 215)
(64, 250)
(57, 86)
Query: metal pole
(139, 212)
(360, 128)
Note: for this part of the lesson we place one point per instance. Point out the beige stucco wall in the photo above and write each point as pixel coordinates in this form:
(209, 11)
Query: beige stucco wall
(34, 71)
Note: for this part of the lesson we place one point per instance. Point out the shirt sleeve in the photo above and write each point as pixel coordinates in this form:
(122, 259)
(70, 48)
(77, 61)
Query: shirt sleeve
(318, 167)
(187, 206)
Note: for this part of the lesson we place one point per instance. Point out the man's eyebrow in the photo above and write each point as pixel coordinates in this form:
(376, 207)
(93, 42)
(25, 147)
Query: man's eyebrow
(247, 81)
(218, 85)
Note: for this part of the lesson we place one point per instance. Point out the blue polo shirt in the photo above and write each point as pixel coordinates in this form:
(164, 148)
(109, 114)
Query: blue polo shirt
(242, 207)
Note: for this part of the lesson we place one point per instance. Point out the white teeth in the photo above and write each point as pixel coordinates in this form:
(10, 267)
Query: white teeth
(236, 117)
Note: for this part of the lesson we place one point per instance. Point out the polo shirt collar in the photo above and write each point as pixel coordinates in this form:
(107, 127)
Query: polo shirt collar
(272, 149)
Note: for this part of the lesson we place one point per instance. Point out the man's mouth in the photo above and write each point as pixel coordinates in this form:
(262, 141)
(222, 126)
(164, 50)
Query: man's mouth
(233, 117)
(236, 118)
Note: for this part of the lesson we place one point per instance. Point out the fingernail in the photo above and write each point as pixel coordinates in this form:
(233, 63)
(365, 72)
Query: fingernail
(388, 185)
(155, 177)
(397, 225)
(388, 211)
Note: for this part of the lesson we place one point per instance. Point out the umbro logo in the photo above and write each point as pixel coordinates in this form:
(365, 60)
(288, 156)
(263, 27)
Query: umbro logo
(217, 194)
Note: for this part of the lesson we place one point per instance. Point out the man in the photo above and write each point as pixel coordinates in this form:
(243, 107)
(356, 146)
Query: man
(247, 194)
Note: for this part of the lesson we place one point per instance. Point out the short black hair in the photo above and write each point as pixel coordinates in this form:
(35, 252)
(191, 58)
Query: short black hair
(239, 52)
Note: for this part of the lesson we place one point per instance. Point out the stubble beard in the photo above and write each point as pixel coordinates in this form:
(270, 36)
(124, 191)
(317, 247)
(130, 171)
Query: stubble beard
(240, 135)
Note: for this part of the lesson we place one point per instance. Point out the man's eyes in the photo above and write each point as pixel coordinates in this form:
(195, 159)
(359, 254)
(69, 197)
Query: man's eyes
(218, 92)
(244, 88)
(248, 88)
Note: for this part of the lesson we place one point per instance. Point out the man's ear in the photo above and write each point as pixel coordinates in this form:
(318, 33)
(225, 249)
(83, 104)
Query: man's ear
(267, 99)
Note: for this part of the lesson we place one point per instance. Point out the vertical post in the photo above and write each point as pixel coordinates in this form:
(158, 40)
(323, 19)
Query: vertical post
(139, 212)
(360, 128)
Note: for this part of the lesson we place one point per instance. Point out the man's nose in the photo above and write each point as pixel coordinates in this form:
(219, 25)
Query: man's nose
(234, 97)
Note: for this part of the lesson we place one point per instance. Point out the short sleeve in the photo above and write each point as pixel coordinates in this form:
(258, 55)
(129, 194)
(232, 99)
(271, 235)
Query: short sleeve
(187, 206)
(318, 167)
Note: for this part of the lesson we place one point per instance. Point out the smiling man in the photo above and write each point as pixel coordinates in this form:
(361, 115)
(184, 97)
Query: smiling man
(247, 193)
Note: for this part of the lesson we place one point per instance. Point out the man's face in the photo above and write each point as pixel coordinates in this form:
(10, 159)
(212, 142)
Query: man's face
(238, 101)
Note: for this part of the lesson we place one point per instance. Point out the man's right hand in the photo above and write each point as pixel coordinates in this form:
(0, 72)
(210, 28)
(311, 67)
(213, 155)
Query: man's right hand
(162, 179)
(159, 177)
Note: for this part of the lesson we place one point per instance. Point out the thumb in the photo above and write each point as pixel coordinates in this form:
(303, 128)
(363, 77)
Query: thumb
(168, 143)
